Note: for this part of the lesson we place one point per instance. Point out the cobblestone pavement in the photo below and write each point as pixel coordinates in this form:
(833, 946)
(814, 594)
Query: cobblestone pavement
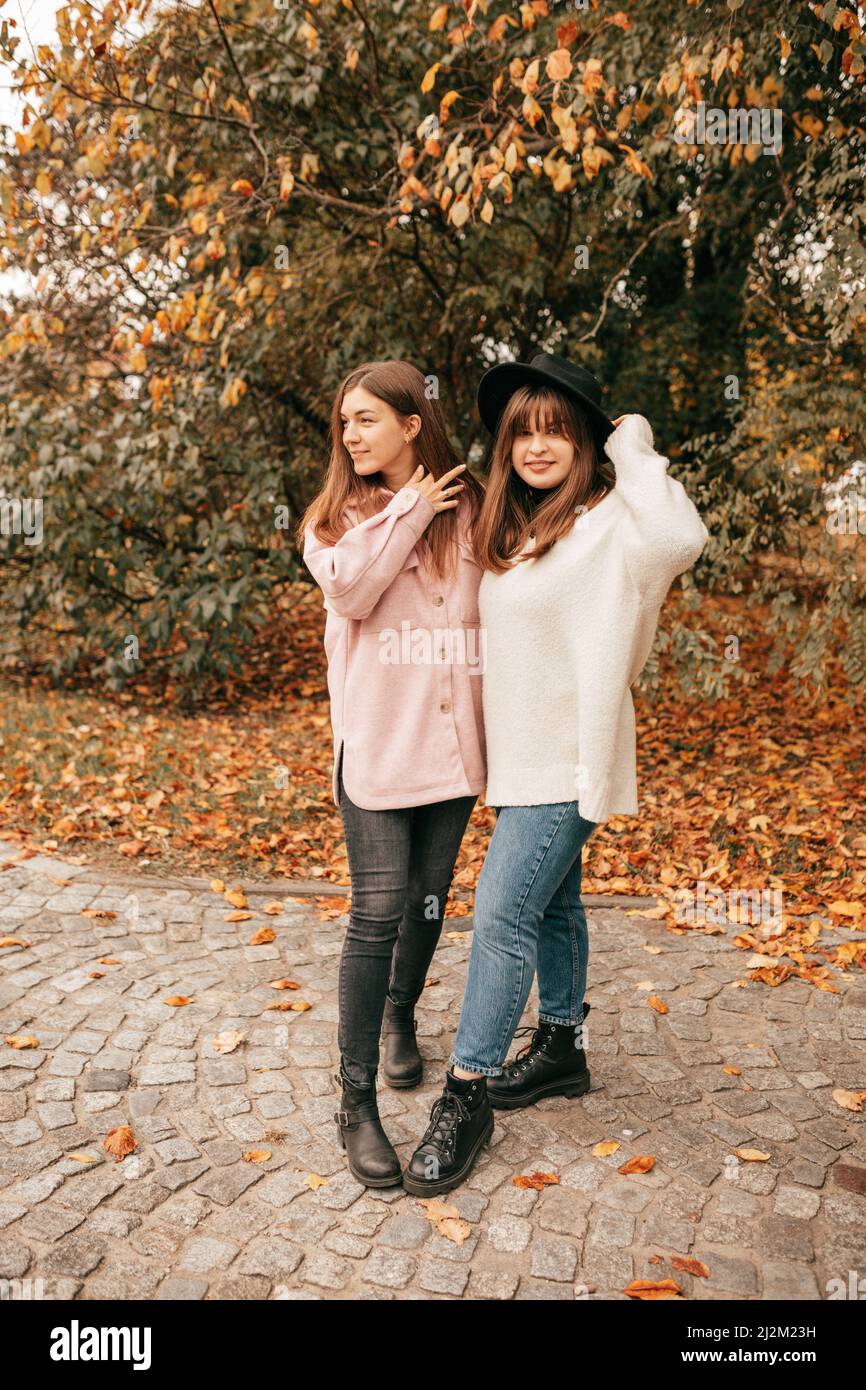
(186, 1217)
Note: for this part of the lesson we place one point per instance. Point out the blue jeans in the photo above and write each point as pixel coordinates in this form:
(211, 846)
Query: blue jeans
(528, 916)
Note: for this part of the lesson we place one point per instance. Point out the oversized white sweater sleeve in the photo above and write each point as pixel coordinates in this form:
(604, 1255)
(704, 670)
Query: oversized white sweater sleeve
(663, 534)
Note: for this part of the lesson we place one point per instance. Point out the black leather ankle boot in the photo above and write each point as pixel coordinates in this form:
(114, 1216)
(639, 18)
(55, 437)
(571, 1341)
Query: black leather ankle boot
(550, 1065)
(461, 1121)
(401, 1064)
(369, 1151)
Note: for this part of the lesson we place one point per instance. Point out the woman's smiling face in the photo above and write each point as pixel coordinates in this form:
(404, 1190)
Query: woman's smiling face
(373, 433)
(540, 453)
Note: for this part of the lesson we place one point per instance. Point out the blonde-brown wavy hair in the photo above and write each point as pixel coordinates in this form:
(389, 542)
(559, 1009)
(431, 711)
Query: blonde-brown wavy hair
(511, 508)
(401, 386)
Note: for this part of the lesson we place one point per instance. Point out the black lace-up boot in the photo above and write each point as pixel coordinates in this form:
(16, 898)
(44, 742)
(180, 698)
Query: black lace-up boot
(369, 1151)
(461, 1121)
(550, 1065)
(401, 1064)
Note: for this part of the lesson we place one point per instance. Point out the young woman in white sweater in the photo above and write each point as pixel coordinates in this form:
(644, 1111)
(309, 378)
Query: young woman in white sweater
(581, 534)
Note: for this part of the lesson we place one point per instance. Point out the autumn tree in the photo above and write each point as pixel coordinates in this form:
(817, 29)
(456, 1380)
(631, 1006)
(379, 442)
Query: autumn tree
(220, 209)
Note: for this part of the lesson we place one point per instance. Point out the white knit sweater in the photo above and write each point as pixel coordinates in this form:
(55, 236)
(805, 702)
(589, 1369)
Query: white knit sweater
(569, 634)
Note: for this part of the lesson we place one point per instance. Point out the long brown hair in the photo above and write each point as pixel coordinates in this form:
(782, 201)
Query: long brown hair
(511, 508)
(403, 388)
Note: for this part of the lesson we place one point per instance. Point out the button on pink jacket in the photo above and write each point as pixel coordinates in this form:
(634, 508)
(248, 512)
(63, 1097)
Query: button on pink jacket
(411, 728)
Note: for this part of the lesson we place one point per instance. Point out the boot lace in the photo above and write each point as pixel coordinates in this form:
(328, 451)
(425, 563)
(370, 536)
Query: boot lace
(537, 1043)
(446, 1114)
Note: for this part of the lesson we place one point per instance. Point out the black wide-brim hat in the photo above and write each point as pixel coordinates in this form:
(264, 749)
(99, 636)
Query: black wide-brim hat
(499, 383)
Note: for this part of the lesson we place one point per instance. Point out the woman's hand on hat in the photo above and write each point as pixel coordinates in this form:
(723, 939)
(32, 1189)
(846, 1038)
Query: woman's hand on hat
(439, 491)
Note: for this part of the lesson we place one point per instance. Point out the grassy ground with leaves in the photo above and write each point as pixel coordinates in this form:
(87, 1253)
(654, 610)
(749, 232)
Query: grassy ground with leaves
(755, 793)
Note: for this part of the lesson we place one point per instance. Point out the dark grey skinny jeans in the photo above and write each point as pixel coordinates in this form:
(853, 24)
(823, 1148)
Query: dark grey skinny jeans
(401, 863)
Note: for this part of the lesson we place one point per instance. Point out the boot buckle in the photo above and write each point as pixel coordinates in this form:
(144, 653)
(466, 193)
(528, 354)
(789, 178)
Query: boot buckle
(342, 1117)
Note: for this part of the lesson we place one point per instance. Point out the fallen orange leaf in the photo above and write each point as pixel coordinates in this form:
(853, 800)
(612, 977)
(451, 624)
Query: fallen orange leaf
(263, 936)
(690, 1266)
(447, 1220)
(641, 1163)
(849, 1100)
(120, 1142)
(535, 1180)
(652, 1289)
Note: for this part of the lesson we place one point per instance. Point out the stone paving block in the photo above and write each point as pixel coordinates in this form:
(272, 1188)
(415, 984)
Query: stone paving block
(729, 1274)
(177, 1289)
(225, 1185)
(795, 1105)
(510, 1234)
(604, 1270)
(796, 1201)
(756, 1177)
(391, 1269)
(830, 1132)
(15, 1259)
(343, 1243)
(437, 1277)
(564, 1211)
(788, 1238)
(304, 1224)
(667, 1232)
(553, 1259)
(206, 1254)
(788, 1282)
(166, 1073)
(850, 1176)
(583, 1176)
(722, 1229)
(624, 1195)
(611, 1228)
(439, 1247)
(73, 1255)
(340, 1192)
(492, 1284)
(405, 1230)
(121, 1279)
(543, 1291)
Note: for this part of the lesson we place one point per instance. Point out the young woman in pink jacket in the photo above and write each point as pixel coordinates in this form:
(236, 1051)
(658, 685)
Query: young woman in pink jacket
(389, 542)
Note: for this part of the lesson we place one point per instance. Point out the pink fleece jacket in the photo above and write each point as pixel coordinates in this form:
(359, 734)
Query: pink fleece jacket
(405, 659)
